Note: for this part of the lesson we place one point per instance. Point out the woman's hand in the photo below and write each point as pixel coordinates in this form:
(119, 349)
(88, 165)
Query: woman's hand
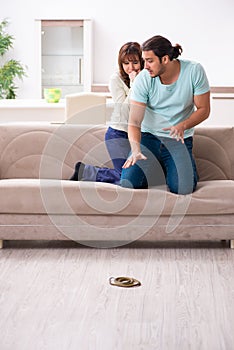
(133, 75)
(133, 158)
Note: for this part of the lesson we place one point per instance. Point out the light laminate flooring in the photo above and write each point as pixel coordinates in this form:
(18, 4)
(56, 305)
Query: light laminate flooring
(57, 296)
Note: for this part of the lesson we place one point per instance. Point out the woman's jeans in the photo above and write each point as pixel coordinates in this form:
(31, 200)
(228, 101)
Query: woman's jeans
(118, 147)
(168, 162)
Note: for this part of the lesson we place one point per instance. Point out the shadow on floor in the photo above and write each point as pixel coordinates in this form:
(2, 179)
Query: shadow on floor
(34, 244)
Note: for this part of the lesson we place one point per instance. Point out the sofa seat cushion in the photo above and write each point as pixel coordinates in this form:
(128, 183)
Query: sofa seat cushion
(213, 197)
(35, 196)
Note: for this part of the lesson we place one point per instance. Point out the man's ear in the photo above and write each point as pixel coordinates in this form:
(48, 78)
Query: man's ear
(165, 59)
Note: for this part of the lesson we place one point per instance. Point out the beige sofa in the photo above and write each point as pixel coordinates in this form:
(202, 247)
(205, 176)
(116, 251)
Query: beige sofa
(38, 202)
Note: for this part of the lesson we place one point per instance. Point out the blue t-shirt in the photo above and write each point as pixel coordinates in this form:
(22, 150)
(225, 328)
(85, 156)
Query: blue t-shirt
(168, 105)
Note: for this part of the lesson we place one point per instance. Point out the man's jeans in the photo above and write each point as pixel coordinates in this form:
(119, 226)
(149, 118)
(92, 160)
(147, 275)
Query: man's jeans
(168, 162)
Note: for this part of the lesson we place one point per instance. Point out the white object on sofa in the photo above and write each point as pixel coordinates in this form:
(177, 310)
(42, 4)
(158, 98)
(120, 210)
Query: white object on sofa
(85, 108)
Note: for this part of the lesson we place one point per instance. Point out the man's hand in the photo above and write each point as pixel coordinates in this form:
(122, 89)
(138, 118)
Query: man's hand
(133, 158)
(176, 131)
(202, 103)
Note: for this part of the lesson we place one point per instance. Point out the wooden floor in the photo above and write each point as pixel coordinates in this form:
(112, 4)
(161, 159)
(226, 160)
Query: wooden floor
(58, 296)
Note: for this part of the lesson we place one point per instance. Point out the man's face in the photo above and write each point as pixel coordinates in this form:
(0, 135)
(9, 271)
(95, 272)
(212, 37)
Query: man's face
(153, 64)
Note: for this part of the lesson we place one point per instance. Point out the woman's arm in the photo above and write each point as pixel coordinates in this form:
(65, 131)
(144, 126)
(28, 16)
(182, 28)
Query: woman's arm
(117, 90)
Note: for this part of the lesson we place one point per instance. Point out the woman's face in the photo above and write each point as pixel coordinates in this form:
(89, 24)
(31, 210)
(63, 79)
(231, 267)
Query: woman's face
(131, 64)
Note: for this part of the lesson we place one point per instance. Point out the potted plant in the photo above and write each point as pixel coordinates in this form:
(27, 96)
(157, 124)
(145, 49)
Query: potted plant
(9, 69)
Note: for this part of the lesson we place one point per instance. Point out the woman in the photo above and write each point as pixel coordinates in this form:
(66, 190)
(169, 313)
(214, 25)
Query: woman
(130, 63)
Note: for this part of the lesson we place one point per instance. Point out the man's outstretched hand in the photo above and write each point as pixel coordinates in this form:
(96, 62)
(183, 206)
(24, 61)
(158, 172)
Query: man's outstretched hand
(133, 158)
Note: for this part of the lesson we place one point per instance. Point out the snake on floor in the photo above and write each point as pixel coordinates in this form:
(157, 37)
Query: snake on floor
(124, 282)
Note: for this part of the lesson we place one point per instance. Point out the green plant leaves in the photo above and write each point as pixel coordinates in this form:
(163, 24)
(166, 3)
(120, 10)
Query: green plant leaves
(11, 69)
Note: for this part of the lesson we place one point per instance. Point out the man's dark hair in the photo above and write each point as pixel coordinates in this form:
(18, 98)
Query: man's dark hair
(162, 47)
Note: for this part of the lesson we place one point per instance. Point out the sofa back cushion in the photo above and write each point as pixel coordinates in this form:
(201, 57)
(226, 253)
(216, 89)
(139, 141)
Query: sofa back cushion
(51, 151)
(214, 152)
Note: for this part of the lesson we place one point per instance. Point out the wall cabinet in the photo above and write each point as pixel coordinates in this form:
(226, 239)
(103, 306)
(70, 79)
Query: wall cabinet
(63, 71)
(66, 55)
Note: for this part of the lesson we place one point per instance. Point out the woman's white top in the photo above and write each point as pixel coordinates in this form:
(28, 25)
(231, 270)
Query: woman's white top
(120, 95)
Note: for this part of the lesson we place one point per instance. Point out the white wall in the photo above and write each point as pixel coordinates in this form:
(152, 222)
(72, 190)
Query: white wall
(203, 28)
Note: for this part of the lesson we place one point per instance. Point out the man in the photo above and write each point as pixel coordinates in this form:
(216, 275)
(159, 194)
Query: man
(169, 97)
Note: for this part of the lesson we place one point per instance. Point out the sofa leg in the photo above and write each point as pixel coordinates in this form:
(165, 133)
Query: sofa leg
(1, 243)
(232, 243)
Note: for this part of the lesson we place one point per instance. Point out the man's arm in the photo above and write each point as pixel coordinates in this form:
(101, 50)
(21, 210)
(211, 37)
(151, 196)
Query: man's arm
(136, 115)
(202, 103)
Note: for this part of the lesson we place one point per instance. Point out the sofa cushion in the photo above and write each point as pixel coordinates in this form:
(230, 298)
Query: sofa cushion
(51, 151)
(34, 196)
(213, 150)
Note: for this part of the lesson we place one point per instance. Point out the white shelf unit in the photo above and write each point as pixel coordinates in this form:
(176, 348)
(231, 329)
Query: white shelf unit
(65, 55)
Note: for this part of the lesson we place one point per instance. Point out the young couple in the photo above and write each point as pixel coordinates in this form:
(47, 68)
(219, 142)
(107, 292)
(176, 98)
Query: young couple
(167, 99)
